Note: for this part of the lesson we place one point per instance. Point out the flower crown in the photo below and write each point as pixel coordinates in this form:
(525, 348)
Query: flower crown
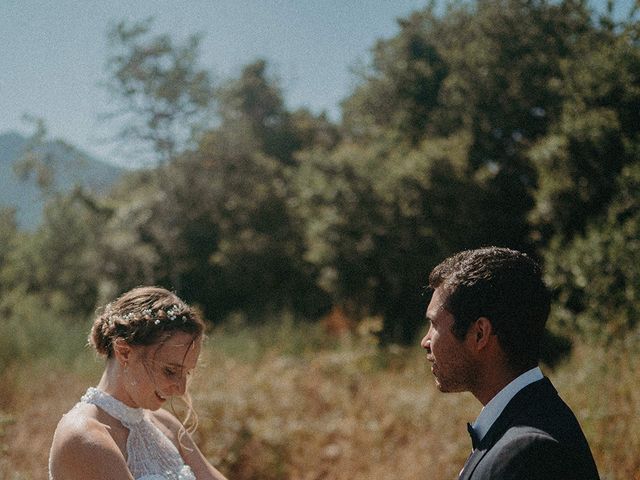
(172, 314)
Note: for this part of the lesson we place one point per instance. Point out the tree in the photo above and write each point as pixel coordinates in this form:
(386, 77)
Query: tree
(595, 136)
(164, 97)
(40, 161)
(215, 223)
(246, 241)
(58, 262)
(487, 71)
(596, 274)
(8, 234)
(401, 88)
(513, 123)
(249, 243)
(377, 218)
(254, 116)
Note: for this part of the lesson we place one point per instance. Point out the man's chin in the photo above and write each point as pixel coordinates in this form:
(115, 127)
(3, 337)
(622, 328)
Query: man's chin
(442, 388)
(439, 385)
(447, 388)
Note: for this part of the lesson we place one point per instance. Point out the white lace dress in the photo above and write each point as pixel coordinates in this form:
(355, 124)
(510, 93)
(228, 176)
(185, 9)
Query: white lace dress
(151, 455)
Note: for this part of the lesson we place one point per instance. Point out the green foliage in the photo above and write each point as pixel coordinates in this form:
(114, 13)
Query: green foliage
(245, 243)
(596, 274)
(254, 119)
(401, 88)
(378, 218)
(8, 232)
(252, 107)
(596, 135)
(546, 100)
(282, 335)
(488, 71)
(58, 261)
(512, 123)
(32, 330)
(215, 223)
(133, 236)
(444, 120)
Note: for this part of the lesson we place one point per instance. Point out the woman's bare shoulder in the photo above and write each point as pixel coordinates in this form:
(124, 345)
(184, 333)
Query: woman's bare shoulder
(81, 423)
(84, 448)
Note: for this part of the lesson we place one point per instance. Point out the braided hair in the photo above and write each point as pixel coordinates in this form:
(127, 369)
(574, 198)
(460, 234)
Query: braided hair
(143, 316)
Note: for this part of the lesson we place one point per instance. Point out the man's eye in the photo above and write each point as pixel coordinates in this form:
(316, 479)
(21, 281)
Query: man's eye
(170, 372)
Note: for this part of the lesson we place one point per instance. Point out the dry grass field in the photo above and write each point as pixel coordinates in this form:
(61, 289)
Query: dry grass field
(288, 403)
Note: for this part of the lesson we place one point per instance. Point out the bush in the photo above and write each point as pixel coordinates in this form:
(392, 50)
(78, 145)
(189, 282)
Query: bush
(596, 274)
(30, 332)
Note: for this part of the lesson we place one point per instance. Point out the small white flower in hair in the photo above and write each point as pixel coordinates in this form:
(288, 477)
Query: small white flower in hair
(171, 313)
(157, 322)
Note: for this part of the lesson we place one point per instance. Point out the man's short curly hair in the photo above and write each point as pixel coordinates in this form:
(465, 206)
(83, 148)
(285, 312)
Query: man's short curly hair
(504, 286)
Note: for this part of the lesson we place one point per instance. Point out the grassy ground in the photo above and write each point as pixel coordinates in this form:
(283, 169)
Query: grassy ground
(289, 403)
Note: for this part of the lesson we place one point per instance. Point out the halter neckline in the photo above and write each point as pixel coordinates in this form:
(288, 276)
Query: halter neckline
(127, 415)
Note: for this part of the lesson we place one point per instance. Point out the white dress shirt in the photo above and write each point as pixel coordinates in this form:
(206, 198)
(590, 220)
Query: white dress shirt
(492, 410)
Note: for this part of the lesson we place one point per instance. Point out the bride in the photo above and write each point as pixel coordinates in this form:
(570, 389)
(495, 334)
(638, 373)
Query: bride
(151, 340)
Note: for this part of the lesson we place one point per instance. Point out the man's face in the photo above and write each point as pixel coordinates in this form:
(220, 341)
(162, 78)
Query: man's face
(452, 364)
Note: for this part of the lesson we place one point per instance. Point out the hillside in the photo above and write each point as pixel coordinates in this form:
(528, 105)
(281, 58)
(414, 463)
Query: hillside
(72, 167)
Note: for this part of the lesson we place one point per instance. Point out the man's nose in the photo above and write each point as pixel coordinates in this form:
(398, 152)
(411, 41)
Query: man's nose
(426, 343)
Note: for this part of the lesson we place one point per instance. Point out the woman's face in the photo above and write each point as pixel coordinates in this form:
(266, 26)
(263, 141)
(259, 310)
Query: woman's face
(158, 372)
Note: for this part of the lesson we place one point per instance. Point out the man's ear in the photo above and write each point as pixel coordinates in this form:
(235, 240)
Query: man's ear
(121, 350)
(482, 331)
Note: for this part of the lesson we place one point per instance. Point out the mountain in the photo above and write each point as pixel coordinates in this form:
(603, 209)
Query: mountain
(72, 167)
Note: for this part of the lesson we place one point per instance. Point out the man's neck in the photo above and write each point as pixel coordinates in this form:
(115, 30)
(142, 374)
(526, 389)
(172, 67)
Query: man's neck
(495, 381)
(492, 410)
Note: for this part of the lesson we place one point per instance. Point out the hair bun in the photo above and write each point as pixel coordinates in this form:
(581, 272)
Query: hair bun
(101, 334)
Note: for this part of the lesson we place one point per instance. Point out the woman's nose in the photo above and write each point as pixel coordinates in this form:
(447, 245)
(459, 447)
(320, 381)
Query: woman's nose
(180, 386)
(183, 385)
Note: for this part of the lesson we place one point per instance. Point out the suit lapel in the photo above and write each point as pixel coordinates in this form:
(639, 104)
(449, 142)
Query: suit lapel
(515, 407)
(518, 407)
(471, 463)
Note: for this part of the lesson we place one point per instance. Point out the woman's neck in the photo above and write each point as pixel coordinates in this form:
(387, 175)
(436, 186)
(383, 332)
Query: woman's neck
(111, 382)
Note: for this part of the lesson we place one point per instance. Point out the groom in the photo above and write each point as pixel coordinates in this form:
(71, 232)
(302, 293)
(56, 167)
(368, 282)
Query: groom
(487, 317)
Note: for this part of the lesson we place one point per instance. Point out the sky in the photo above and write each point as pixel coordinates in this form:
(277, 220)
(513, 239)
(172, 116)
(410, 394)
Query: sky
(53, 53)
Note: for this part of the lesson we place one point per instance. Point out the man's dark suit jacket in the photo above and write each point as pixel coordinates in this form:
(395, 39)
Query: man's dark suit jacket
(536, 437)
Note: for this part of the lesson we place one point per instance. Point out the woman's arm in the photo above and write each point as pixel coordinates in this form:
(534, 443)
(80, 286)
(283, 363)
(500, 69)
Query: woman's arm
(189, 451)
(82, 449)
(195, 459)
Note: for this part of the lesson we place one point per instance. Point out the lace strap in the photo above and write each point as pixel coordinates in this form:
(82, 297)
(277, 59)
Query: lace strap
(128, 416)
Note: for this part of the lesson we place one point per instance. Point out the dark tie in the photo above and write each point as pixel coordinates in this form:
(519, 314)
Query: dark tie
(473, 435)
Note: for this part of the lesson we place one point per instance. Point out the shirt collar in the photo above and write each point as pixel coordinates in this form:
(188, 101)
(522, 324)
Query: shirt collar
(492, 410)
